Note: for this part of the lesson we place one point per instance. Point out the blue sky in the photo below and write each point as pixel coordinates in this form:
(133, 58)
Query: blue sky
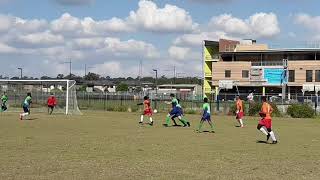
(113, 36)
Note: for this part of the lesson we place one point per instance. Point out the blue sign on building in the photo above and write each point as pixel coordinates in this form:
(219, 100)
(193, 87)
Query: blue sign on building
(275, 76)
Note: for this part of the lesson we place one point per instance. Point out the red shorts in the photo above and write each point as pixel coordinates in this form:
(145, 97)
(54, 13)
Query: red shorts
(266, 122)
(147, 112)
(239, 115)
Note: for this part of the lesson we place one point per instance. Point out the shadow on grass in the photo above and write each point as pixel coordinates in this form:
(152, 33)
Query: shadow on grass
(262, 142)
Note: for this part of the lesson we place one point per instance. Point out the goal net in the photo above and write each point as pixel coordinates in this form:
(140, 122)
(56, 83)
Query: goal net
(63, 90)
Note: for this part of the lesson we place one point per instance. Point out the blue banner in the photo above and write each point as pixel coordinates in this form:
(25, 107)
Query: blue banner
(275, 76)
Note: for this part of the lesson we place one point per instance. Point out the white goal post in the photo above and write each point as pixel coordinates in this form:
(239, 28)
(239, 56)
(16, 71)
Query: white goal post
(63, 89)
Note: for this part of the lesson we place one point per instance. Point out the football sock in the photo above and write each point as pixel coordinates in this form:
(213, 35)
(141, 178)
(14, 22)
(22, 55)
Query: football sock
(200, 125)
(168, 120)
(273, 137)
(182, 120)
(264, 131)
(240, 121)
(151, 119)
(141, 118)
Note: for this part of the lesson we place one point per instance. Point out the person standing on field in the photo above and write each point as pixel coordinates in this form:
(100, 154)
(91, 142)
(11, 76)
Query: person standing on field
(239, 111)
(26, 106)
(4, 100)
(52, 102)
(147, 110)
(265, 124)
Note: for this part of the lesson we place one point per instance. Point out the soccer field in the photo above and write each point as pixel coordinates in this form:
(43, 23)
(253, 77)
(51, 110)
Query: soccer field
(111, 145)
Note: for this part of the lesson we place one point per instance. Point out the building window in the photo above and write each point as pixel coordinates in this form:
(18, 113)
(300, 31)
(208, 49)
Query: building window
(317, 75)
(227, 73)
(245, 74)
(291, 75)
(309, 75)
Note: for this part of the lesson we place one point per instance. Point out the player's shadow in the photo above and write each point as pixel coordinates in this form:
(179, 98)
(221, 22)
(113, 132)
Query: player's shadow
(31, 119)
(261, 142)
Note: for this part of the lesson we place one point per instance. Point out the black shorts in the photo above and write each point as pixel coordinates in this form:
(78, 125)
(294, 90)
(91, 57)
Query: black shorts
(50, 106)
(26, 109)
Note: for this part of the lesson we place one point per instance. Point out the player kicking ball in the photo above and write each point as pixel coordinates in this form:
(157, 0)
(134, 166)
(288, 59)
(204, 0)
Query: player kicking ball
(26, 106)
(265, 123)
(176, 112)
(147, 110)
(206, 116)
(51, 102)
(239, 112)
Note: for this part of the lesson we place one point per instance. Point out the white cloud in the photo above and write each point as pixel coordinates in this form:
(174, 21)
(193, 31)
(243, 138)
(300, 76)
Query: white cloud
(129, 48)
(73, 26)
(259, 25)
(309, 22)
(88, 43)
(168, 19)
(179, 53)
(107, 68)
(4, 49)
(196, 39)
(41, 39)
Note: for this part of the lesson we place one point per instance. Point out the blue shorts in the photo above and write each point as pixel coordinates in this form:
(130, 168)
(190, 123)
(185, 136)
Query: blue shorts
(26, 109)
(206, 117)
(175, 112)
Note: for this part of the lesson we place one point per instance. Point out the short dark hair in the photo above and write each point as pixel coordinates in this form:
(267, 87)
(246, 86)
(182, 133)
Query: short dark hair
(146, 97)
(171, 95)
(264, 98)
(29, 94)
(205, 100)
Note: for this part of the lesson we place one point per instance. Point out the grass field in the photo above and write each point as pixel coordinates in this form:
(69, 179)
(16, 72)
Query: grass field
(111, 145)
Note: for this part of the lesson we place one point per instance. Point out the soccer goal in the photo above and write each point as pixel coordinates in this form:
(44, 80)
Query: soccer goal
(63, 90)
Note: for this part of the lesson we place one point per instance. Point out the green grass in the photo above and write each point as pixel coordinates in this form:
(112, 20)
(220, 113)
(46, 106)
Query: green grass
(111, 145)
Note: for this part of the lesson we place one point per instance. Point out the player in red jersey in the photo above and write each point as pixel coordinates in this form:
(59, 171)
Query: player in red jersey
(265, 124)
(239, 112)
(147, 110)
(52, 102)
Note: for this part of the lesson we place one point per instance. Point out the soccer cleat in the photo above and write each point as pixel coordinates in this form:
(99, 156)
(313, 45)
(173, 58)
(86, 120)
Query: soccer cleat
(212, 131)
(274, 142)
(268, 137)
(140, 122)
(20, 117)
(165, 125)
(151, 123)
(188, 124)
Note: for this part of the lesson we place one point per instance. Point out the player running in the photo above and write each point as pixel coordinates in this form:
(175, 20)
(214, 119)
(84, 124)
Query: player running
(26, 106)
(265, 123)
(206, 116)
(176, 111)
(147, 111)
(239, 112)
(4, 100)
(52, 102)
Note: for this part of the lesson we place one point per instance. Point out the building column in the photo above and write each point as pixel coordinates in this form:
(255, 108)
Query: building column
(263, 91)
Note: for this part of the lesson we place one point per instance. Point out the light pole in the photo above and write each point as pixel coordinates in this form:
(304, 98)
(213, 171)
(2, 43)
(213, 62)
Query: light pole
(156, 83)
(20, 72)
(85, 69)
(70, 67)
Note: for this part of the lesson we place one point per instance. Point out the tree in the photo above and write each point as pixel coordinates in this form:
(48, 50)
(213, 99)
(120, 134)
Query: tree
(45, 77)
(92, 77)
(60, 76)
(122, 87)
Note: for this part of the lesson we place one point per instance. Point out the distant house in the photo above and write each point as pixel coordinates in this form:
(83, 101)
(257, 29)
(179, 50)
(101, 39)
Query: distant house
(135, 85)
(180, 88)
(101, 85)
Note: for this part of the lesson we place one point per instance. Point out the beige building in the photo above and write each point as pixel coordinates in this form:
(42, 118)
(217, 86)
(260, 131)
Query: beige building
(253, 66)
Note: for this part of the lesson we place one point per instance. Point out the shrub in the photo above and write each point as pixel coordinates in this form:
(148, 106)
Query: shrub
(300, 111)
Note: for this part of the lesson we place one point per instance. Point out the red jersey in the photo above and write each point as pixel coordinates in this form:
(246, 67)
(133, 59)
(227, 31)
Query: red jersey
(147, 104)
(52, 101)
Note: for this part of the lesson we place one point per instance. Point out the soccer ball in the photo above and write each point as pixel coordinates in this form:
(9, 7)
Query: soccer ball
(155, 111)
